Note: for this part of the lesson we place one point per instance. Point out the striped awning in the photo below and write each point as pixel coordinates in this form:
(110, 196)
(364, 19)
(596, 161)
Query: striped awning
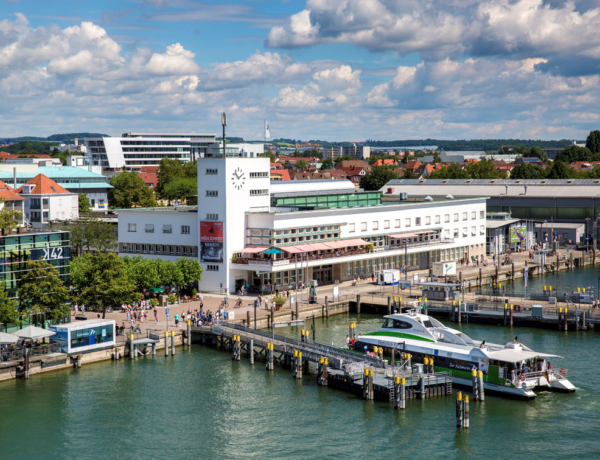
(253, 249)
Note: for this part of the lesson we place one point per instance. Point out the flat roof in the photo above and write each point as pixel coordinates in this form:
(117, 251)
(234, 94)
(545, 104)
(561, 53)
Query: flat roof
(559, 225)
(89, 322)
(498, 223)
(161, 209)
(436, 284)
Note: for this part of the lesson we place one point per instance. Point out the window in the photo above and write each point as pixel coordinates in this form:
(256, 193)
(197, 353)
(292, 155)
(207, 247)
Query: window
(212, 171)
(351, 228)
(258, 174)
(212, 217)
(465, 215)
(437, 219)
(212, 193)
(482, 229)
(417, 221)
(132, 227)
(407, 222)
(45, 201)
(375, 225)
(397, 223)
(473, 230)
(149, 228)
(363, 226)
(455, 217)
(259, 192)
(386, 224)
(465, 231)
(482, 214)
(167, 229)
(456, 233)
(185, 229)
(428, 220)
(473, 215)
(212, 268)
(446, 217)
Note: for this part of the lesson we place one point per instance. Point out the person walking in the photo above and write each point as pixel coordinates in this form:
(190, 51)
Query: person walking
(156, 315)
(176, 320)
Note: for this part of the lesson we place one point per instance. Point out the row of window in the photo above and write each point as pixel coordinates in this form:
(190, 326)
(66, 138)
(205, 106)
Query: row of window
(212, 216)
(292, 231)
(158, 249)
(212, 268)
(253, 175)
(212, 171)
(418, 221)
(258, 192)
(166, 228)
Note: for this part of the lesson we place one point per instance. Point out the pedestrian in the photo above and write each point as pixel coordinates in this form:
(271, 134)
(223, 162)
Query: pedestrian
(176, 320)
(156, 315)
(347, 340)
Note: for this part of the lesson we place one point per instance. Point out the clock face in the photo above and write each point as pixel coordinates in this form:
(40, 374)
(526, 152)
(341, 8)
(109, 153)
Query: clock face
(238, 178)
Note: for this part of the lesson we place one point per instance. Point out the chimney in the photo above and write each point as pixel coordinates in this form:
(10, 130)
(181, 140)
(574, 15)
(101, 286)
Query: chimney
(506, 190)
(525, 190)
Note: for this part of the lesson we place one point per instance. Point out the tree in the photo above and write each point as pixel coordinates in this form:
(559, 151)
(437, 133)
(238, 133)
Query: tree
(326, 164)
(437, 158)
(129, 190)
(168, 170)
(593, 142)
(301, 165)
(409, 174)
(377, 178)
(575, 153)
(484, 169)
(560, 170)
(180, 189)
(190, 269)
(538, 153)
(84, 204)
(42, 291)
(9, 312)
(527, 171)
(451, 171)
(9, 217)
(142, 272)
(107, 283)
(90, 233)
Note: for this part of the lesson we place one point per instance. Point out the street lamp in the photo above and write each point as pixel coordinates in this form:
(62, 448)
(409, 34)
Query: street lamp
(224, 123)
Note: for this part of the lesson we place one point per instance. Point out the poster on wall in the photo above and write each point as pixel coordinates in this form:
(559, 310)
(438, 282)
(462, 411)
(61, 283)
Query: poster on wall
(211, 242)
(517, 234)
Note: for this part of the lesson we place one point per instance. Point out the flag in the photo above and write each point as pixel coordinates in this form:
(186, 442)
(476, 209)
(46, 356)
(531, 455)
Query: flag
(267, 130)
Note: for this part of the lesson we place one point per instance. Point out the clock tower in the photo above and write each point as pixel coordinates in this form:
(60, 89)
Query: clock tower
(228, 188)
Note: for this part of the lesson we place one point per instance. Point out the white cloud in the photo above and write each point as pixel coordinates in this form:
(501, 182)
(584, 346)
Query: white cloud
(176, 61)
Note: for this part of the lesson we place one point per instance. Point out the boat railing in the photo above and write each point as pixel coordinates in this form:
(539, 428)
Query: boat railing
(533, 375)
(561, 374)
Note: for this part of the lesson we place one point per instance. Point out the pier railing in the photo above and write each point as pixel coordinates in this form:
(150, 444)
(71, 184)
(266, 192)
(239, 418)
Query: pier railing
(18, 355)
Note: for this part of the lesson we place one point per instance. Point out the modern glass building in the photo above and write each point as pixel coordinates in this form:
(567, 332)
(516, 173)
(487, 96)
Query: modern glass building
(19, 248)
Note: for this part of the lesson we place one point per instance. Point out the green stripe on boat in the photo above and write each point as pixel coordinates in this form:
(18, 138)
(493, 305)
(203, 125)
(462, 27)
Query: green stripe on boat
(400, 335)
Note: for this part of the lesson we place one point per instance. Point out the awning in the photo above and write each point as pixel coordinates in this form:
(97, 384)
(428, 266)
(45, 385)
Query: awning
(292, 249)
(354, 242)
(411, 234)
(8, 338)
(334, 244)
(253, 249)
(32, 332)
(273, 251)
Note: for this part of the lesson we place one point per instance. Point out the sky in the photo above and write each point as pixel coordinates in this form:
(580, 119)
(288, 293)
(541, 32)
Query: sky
(318, 69)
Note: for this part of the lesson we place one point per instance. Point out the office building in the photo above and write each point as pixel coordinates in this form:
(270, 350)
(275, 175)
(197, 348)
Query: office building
(352, 151)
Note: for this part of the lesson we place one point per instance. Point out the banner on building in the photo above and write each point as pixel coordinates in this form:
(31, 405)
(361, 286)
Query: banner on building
(211, 241)
(517, 234)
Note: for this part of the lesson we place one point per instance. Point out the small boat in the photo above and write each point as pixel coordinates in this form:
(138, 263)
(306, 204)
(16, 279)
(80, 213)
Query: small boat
(510, 370)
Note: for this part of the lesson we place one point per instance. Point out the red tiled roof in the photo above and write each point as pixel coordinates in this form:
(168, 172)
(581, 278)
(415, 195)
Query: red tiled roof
(12, 156)
(149, 178)
(8, 194)
(283, 173)
(149, 169)
(44, 186)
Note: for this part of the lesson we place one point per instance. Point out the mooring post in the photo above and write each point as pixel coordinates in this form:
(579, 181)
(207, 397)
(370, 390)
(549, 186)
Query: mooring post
(422, 386)
(481, 389)
(131, 348)
(251, 351)
(172, 343)
(396, 392)
(301, 335)
(326, 307)
(475, 383)
(166, 343)
(505, 313)
(26, 363)
(466, 412)
(358, 304)
(512, 309)
(325, 372)
(352, 329)
(189, 333)
(459, 312)
(480, 277)
(248, 319)
(566, 319)
(269, 354)
(320, 371)
(576, 320)
(153, 350)
(459, 411)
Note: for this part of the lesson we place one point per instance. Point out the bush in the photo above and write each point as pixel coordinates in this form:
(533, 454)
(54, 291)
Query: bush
(173, 298)
(369, 247)
(154, 302)
(194, 292)
(279, 301)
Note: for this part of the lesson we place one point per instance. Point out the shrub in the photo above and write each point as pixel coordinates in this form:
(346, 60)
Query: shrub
(173, 298)
(154, 302)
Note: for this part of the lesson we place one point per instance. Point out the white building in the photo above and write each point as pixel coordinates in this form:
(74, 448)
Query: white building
(312, 230)
(357, 152)
(136, 150)
(45, 201)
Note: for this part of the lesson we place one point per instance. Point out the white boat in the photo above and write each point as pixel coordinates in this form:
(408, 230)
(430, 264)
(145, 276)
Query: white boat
(512, 369)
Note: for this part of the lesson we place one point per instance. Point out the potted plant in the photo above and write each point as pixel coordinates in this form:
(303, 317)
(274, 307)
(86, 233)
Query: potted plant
(369, 247)
(279, 302)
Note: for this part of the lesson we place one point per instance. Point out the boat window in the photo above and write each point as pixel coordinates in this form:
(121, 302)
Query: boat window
(387, 323)
(427, 323)
(435, 322)
(396, 324)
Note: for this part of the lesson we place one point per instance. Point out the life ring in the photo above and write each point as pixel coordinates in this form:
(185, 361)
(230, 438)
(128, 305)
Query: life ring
(522, 377)
(563, 371)
(402, 287)
(517, 308)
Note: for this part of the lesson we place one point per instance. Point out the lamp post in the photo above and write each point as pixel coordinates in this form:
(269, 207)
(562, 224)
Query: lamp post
(224, 123)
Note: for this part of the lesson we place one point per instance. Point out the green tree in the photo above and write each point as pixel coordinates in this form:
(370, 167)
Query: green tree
(42, 291)
(84, 204)
(527, 171)
(9, 217)
(593, 142)
(99, 235)
(575, 153)
(409, 174)
(538, 153)
(560, 170)
(594, 173)
(484, 169)
(190, 269)
(107, 283)
(451, 171)
(327, 164)
(437, 158)
(168, 171)
(129, 191)
(9, 312)
(143, 272)
(78, 268)
(377, 178)
(180, 189)
(301, 165)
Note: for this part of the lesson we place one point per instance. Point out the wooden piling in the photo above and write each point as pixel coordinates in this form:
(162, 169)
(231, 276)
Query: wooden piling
(358, 304)
(166, 343)
(172, 343)
(513, 271)
(422, 386)
(352, 329)
(131, 348)
(326, 307)
(248, 320)
(402, 393)
(505, 314)
(566, 319)
(189, 333)
(480, 390)
(512, 309)
(153, 350)
(269, 364)
(251, 351)
(389, 305)
(459, 411)
(480, 278)
(26, 363)
(475, 384)
(466, 412)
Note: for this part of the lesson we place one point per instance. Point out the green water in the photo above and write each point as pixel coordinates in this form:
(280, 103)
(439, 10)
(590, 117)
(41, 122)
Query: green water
(200, 404)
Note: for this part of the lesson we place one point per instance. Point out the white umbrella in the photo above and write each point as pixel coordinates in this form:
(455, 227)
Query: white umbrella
(32, 332)
(8, 338)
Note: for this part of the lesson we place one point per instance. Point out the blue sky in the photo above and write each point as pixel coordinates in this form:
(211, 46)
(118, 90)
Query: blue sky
(316, 69)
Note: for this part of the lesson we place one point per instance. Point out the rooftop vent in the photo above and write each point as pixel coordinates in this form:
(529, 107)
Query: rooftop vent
(403, 196)
(570, 181)
(449, 197)
(428, 198)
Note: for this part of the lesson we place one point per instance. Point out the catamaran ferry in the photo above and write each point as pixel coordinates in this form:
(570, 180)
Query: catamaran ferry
(511, 369)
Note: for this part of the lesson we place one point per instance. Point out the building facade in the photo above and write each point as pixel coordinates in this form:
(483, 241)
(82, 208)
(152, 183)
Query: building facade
(352, 151)
(136, 150)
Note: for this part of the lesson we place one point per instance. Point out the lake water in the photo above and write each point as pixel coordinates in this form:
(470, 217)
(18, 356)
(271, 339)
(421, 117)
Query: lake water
(200, 404)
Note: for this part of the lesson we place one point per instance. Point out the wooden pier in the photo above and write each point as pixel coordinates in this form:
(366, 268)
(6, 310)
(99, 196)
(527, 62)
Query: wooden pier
(370, 377)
